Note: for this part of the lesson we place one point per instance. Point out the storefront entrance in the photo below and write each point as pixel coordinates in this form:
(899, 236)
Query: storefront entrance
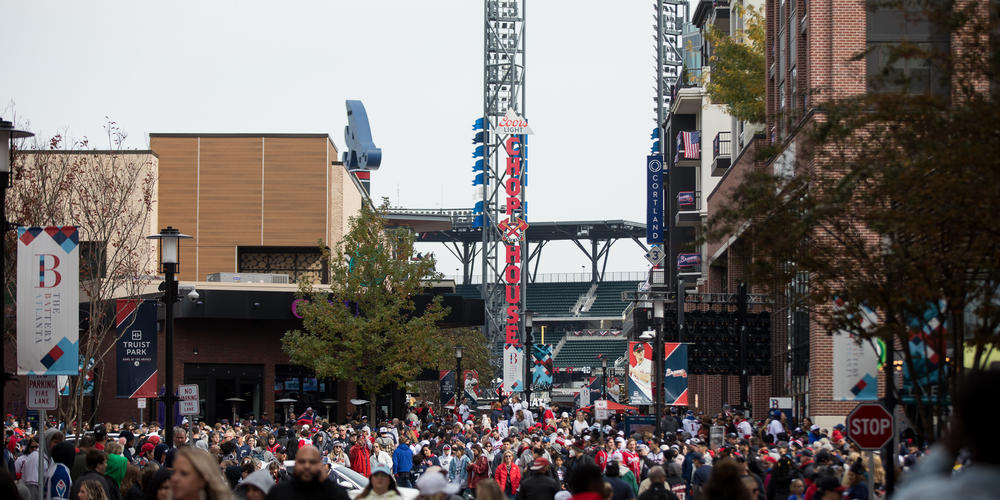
(219, 382)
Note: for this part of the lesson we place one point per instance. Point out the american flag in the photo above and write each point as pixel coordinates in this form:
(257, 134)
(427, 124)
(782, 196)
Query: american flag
(692, 145)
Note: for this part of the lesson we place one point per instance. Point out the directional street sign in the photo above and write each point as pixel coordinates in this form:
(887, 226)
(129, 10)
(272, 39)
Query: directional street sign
(655, 255)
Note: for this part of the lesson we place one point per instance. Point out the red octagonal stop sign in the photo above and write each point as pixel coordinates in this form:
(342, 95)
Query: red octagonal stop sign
(870, 426)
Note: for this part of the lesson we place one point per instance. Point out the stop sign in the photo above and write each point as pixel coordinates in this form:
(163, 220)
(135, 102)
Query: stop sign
(870, 426)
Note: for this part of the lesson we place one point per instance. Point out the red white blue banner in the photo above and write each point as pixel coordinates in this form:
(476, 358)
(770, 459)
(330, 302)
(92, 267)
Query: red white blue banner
(470, 380)
(675, 374)
(685, 260)
(446, 381)
(48, 300)
(135, 351)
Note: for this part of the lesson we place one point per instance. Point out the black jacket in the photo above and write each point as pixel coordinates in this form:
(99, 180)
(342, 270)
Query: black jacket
(538, 487)
(657, 491)
(299, 490)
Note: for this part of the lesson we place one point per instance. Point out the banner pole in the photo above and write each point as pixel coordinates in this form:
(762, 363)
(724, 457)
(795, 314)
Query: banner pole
(41, 453)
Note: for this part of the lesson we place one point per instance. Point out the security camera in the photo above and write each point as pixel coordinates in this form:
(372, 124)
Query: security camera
(193, 295)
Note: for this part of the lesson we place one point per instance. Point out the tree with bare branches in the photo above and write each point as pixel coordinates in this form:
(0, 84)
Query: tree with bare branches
(110, 195)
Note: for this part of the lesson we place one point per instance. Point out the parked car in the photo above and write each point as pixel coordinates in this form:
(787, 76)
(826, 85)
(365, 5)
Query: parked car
(354, 482)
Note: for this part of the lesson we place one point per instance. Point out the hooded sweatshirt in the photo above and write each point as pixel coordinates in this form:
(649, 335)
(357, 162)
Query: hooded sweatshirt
(260, 479)
(402, 459)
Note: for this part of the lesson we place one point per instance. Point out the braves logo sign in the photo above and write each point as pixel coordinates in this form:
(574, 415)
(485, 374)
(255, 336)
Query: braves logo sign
(512, 230)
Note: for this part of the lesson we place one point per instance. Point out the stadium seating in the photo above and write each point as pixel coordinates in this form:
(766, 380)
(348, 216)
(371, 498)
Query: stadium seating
(558, 299)
(609, 298)
(578, 353)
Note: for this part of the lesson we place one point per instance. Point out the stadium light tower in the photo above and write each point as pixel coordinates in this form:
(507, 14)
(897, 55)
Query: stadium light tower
(497, 185)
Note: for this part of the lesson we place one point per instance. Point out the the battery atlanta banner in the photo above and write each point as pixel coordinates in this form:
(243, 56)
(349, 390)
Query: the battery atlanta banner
(135, 322)
(675, 374)
(541, 367)
(640, 372)
(48, 300)
(446, 380)
(513, 368)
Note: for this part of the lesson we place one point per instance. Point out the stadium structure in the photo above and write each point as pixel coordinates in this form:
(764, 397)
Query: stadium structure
(579, 314)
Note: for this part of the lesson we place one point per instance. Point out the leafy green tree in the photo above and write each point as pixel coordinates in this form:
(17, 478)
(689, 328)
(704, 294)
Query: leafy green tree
(891, 203)
(738, 75)
(365, 328)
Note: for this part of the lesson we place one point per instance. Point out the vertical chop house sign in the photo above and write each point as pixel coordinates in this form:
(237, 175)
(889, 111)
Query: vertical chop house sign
(513, 230)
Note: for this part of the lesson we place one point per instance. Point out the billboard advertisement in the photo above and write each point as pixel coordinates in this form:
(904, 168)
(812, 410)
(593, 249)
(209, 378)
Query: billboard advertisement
(48, 300)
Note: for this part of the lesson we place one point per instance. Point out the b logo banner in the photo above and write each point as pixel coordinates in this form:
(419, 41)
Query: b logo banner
(48, 300)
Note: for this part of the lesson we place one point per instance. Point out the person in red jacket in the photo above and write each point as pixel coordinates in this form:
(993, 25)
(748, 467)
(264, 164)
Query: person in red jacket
(479, 466)
(360, 457)
(508, 475)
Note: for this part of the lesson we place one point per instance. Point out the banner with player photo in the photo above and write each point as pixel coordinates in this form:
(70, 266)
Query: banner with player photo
(640, 373)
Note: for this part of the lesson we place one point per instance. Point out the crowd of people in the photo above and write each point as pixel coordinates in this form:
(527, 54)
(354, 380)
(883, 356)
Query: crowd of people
(509, 452)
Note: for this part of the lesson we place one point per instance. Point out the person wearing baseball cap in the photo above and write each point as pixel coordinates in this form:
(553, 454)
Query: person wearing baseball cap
(381, 485)
(539, 483)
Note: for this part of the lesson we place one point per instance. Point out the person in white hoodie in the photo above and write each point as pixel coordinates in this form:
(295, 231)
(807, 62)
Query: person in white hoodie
(380, 456)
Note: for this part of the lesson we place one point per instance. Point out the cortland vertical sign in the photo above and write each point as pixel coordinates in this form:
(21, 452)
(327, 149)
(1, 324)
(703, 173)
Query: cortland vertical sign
(654, 199)
(48, 300)
(513, 230)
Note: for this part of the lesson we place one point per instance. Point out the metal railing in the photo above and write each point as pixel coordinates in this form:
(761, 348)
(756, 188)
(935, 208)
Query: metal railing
(566, 277)
(722, 144)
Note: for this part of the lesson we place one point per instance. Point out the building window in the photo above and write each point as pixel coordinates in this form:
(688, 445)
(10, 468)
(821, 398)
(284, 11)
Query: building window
(93, 260)
(888, 27)
(297, 262)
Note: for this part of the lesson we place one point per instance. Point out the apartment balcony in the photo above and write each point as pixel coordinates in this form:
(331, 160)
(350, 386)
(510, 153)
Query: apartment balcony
(721, 153)
(688, 213)
(686, 94)
(688, 150)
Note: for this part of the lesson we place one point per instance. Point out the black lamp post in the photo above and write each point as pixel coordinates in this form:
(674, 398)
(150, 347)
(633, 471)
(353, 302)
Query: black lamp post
(7, 135)
(170, 262)
(604, 378)
(459, 379)
(529, 360)
(658, 316)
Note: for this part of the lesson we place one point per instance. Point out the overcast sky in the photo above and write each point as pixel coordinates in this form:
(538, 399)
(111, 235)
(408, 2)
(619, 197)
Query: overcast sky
(276, 67)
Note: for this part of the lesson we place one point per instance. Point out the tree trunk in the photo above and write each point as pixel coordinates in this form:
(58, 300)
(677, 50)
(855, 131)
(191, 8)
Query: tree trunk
(372, 397)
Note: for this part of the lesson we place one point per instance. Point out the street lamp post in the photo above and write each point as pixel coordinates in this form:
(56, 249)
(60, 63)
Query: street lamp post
(459, 379)
(529, 360)
(658, 372)
(604, 378)
(170, 262)
(7, 135)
